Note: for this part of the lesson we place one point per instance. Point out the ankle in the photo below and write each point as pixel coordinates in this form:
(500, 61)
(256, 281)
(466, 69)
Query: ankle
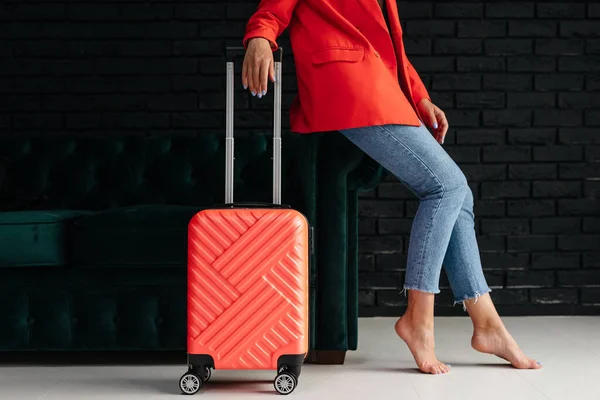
(418, 320)
(488, 326)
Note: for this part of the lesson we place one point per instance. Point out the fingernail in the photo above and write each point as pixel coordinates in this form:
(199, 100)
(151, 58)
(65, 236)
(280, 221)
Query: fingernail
(253, 94)
(435, 125)
(274, 80)
(260, 95)
(540, 363)
(264, 92)
(449, 365)
(245, 87)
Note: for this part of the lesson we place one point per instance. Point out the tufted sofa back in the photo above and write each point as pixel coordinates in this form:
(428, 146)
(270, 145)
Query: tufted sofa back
(103, 172)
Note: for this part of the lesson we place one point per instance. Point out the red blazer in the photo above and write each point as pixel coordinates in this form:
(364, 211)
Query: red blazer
(347, 66)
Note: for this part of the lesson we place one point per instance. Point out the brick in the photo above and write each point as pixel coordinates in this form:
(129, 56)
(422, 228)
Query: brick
(532, 171)
(591, 224)
(591, 260)
(39, 48)
(529, 243)
(201, 11)
(506, 226)
(559, 82)
(544, 136)
(394, 190)
(381, 244)
(31, 84)
(412, 10)
(481, 64)
(594, 10)
(505, 190)
(509, 10)
(564, 225)
(172, 102)
(592, 154)
(433, 64)
(366, 298)
(221, 30)
(430, 28)
(480, 100)
(91, 84)
(557, 189)
(507, 82)
(32, 12)
(458, 46)
(533, 28)
(19, 102)
(579, 170)
(456, 82)
(592, 118)
(391, 298)
(491, 243)
(558, 153)
(37, 121)
(579, 100)
(578, 136)
(120, 48)
(590, 296)
(507, 118)
(579, 242)
(555, 118)
(554, 296)
(391, 262)
(463, 118)
(380, 281)
(479, 173)
(197, 83)
(417, 46)
(508, 297)
(531, 208)
(195, 120)
(560, 10)
(508, 47)
(198, 48)
(367, 226)
(529, 279)
(579, 64)
(482, 29)
(579, 278)
(411, 208)
(504, 261)
(584, 29)
(444, 100)
(506, 154)
(490, 208)
(394, 226)
(458, 10)
(462, 154)
(366, 262)
(559, 47)
(145, 84)
(531, 100)
(531, 64)
(93, 12)
(555, 260)
(593, 46)
(381, 209)
(144, 120)
(591, 188)
(579, 207)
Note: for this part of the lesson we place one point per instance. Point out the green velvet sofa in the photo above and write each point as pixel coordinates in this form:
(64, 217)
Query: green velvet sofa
(93, 234)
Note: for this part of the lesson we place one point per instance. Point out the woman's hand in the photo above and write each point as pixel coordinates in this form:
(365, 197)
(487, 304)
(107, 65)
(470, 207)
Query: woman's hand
(434, 118)
(258, 66)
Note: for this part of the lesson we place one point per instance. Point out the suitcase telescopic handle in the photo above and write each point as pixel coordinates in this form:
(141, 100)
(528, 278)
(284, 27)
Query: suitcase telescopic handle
(232, 54)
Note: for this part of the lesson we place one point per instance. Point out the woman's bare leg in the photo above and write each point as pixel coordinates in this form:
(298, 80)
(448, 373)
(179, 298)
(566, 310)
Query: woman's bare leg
(491, 336)
(416, 329)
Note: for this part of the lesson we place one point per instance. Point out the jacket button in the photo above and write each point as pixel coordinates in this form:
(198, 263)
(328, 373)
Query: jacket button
(377, 54)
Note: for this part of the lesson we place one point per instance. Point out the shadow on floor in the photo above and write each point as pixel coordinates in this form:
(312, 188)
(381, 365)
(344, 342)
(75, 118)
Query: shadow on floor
(49, 358)
(170, 386)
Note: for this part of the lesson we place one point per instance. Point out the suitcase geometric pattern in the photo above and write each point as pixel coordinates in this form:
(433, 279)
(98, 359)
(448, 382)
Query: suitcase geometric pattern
(247, 286)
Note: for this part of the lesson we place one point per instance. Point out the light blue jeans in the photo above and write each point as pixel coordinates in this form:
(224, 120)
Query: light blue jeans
(443, 230)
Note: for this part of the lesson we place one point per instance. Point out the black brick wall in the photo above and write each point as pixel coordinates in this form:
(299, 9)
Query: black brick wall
(519, 81)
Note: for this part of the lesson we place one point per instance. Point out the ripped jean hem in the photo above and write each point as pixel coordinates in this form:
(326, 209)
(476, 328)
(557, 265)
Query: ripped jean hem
(409, 287)
(475, 296)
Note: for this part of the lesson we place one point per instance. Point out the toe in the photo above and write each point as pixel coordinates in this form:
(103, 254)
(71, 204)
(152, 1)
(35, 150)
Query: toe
(536, 364)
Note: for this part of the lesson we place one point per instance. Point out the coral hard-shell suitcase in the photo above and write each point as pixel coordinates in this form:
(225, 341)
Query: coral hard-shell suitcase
(248, 276)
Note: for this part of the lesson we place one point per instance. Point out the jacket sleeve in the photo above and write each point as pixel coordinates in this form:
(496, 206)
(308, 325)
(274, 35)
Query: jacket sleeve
(270, 20)
(419, 92)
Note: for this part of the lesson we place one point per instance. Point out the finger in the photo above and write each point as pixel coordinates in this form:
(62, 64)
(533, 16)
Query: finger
(272, 71)
(432, 119)
(264, 76)
(444, 126)
(245, 74)
(256, 78)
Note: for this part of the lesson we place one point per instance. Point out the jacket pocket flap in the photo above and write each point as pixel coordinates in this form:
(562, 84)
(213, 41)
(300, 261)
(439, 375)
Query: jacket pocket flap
(348, 54)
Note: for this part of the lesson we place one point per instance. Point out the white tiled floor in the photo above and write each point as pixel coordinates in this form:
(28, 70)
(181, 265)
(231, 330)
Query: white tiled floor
(569, 347)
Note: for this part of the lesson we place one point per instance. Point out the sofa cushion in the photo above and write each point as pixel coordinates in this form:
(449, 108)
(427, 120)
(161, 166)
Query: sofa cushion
(35, 238)
(149, 235)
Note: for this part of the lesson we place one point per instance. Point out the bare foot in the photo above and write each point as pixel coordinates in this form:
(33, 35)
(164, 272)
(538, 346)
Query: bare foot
(421, 343)
(499, 342)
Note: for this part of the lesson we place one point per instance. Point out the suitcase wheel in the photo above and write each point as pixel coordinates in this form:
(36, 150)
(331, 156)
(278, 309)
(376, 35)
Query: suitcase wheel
(285, 382)
(190, 383)
(207, 374)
